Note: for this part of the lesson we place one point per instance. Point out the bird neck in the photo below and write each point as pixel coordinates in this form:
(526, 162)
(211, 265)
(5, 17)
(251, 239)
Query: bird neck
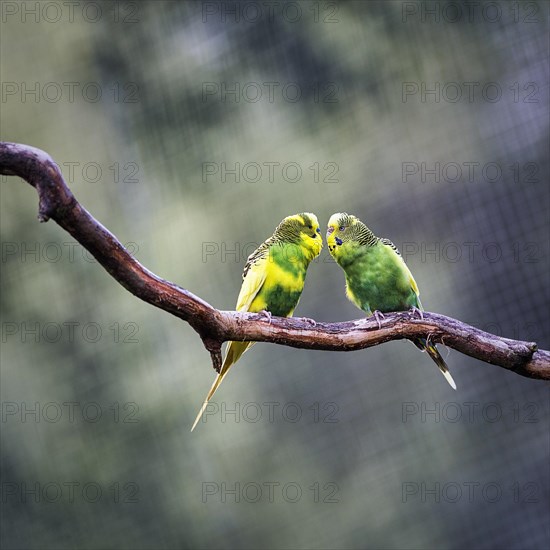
(351, 251)
(293, 256)
(296, 247)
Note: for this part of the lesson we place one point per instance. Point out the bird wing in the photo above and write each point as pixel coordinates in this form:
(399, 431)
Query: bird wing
(254, 275)
(408, 273)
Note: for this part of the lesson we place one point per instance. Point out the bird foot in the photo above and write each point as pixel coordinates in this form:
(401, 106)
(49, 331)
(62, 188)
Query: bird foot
(267, 315)
(378, 315)
(309, 321)
(414, 310)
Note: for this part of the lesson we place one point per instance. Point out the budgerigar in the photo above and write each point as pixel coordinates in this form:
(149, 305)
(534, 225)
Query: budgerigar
(377, 278)
(273, 280)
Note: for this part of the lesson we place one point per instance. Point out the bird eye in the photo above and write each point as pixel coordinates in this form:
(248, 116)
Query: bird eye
(342, 228)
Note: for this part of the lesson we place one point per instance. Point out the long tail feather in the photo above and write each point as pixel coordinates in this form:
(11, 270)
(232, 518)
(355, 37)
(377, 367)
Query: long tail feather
(438, 360)
(213, 389)
(234, 352)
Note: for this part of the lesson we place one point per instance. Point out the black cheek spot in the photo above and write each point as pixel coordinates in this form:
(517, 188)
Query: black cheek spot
(338, 241)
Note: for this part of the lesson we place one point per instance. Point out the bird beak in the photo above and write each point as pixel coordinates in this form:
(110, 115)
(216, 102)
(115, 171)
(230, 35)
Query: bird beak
(330, 230)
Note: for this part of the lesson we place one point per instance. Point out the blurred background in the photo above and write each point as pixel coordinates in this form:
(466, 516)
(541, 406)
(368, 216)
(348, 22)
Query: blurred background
(190, 130)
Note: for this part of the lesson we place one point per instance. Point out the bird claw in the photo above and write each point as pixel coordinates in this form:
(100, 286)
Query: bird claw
(378, 315)
(414, 310)
(267, 315)
(311, 322)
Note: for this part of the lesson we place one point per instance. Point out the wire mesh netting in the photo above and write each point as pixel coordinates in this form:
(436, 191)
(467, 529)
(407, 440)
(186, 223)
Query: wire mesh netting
(190, 129)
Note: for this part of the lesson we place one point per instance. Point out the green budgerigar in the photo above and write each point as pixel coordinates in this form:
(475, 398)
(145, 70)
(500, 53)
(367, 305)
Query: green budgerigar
(273, 280)
(377, 279)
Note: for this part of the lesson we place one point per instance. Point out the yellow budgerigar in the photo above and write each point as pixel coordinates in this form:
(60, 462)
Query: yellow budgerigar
(273, 280)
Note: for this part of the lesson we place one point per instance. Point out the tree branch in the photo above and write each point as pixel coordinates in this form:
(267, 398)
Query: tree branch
(215, 327)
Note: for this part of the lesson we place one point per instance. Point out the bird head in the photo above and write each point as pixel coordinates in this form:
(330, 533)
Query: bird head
(344, 231)
(303, 230)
